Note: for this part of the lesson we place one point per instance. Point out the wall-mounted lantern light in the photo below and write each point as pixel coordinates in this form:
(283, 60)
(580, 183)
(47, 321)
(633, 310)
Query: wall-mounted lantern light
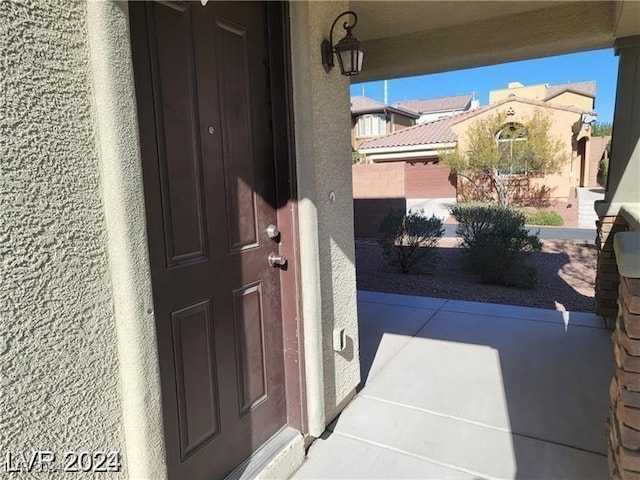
(588, 119)
(349, 50)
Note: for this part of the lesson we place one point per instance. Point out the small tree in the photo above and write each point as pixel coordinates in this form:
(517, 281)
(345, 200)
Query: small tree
(502, 155)
(408, 240)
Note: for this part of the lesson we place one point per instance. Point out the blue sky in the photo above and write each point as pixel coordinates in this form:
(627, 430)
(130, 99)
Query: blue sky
(598, 65)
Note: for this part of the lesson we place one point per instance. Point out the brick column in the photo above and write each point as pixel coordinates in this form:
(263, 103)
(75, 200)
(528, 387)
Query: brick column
(623, 425)
(607, 277)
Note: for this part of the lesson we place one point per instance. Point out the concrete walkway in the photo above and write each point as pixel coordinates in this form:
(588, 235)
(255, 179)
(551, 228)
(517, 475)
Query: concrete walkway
(468, 390)
(586, 213)
(440, 207)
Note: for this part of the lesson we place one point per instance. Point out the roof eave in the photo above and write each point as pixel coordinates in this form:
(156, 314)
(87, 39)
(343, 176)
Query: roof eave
(408, 148)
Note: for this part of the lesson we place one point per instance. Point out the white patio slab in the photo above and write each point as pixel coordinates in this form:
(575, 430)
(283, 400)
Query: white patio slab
(383, 335)
(475, 449)
(401, 300)
(531, 377)
(526, 313)
(482, 390)
(352, 458)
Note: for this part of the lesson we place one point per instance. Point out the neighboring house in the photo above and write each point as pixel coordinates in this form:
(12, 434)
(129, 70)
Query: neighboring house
(148, 152)
(419, 149)
(371, 118)
(435, 108)
(581, 95)
(566, 125)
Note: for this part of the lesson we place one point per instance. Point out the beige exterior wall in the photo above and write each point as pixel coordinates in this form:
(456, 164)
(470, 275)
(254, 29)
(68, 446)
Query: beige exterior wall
(539, 92)
(534, 92)
(563, 123)
(116, 126)
(325, 206)
(400, 122)
(571, 99)
(60, 368)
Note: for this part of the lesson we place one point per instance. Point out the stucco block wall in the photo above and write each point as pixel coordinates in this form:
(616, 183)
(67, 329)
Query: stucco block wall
(378, 180)
(60, 384)
(377, 188)
(327, 251)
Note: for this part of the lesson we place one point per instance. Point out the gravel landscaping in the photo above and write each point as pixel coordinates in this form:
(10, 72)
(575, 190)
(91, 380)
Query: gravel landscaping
(565, 281)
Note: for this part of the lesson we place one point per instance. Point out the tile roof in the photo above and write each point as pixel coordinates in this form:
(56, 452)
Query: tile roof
(439, 131)
(585, 88)
(432, 105)
(362, 104)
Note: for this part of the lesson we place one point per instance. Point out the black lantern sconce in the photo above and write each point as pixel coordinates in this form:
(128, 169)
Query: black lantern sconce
(349, 50)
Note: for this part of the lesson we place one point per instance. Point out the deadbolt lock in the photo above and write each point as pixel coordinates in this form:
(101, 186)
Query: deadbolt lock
(272, 231)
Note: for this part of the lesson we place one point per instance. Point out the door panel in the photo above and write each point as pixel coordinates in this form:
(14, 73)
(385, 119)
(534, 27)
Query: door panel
(181, 181)
(202, 78)
(234, 88)
(194, 348)
(250, 346)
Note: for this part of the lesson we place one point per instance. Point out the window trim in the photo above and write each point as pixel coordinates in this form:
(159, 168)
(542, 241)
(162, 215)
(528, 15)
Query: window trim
(368, 119)
(511, 141)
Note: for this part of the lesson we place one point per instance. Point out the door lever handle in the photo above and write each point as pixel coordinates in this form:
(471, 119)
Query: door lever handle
(277, 260)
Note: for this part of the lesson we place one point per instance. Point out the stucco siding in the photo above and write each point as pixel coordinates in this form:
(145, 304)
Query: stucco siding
(60, 384)
(536, 92)
(570, 99)
(321, 110)
(121, 177)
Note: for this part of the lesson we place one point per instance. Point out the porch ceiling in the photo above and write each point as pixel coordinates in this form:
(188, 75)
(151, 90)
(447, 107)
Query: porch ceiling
(404, 38)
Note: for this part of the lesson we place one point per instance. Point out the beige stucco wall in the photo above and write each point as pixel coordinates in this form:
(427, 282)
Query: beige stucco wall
(623, 184)
(60, 368)
(539, 92)
(534, 92)
(323, 155)
(116, 127)
(562, 129)
(571, 99)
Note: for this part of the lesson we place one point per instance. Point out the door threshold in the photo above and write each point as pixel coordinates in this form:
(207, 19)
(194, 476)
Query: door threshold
(279, 457)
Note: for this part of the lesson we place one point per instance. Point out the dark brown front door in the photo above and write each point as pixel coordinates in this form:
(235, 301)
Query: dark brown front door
(202, 79)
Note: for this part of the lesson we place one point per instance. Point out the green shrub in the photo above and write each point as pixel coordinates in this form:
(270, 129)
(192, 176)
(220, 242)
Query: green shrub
(408, 240)
(497, 243)
(603, 172)
(544, 217)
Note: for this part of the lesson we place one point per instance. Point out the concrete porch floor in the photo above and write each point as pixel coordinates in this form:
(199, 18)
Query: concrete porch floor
(463, 390)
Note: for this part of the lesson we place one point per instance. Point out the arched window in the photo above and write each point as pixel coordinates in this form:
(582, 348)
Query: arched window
(512, 148)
